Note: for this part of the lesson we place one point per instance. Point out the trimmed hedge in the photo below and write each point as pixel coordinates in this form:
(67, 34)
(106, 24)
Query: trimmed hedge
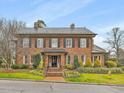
(69, 66)
(99, 70)
(70, 73)
(37, 72)
(122, 68)
(19, 66)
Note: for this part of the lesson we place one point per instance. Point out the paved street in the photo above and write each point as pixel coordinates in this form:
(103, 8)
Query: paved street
(7, 86)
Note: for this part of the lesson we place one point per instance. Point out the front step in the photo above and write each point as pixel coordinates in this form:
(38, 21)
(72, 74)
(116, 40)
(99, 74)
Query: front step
(54, 72)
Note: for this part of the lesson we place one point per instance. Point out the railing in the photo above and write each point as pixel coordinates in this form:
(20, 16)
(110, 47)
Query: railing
(45, 70)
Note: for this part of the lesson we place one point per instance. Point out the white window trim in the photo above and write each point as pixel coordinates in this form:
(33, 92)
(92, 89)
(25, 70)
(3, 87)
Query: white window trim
(54, 42)
(25, 42)
(84, 59)
(83, 42)
(23, 59)
(40, 43)
(68, 42)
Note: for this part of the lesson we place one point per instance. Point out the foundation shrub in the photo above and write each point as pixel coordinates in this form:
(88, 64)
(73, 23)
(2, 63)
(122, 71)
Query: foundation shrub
(37, 72)
(69, 67)
(122, 68)
(111, 64)
(88, 63)
(97, 63)
(76, 63)
(19, 66)
(69, 74)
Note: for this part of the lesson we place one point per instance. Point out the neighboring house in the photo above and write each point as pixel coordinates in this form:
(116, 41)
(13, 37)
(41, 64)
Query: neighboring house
(56, 45)
(99, 53)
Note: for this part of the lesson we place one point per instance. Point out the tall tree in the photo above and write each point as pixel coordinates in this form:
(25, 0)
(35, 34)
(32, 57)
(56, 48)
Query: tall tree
(8, 28)
(116, 40)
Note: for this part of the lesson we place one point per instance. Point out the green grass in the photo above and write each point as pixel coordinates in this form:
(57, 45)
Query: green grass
(99, 78)
(21, 75)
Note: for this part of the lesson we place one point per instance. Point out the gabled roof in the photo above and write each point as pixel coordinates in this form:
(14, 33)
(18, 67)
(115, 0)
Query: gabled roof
(78, 30)
(97, 49)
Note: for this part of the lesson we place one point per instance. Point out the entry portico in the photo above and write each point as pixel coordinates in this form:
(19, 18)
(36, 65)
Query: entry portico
(54, 57)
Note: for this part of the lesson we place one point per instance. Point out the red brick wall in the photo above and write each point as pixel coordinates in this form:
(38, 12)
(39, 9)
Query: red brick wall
(71, 51)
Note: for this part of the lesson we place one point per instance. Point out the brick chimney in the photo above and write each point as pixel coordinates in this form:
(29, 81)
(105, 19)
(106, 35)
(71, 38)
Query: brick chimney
(39, 24)
(35, 25)
(72, 26)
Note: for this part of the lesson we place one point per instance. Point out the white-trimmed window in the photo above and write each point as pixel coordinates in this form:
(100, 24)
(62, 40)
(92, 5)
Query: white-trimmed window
(83, 43)
(25, 59)
(39, 42)
(96, 58)
(83, 58)
(25, 42)
(54, 42)
(68, 42)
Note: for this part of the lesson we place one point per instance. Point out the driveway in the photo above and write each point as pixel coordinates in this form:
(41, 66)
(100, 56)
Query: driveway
(7, 86)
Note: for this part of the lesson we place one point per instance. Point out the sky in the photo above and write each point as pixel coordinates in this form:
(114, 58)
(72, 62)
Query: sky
(100, 16)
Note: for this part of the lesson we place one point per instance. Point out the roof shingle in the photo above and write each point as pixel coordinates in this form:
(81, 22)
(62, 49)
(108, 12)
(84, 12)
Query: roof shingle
(78, 30)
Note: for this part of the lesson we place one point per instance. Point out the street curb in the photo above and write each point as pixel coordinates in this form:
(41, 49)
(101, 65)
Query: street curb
(84, 83)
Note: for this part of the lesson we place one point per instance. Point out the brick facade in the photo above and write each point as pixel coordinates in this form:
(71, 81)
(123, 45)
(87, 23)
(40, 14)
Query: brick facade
(74, 51)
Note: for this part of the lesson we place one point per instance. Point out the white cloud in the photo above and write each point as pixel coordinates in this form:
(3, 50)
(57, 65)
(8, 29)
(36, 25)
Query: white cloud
(50, 11)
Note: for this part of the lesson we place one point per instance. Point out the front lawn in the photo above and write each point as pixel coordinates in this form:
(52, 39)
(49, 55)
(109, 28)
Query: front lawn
(99, 78)
(20, 75)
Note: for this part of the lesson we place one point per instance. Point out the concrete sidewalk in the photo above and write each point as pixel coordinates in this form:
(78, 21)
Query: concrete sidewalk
(54, 79)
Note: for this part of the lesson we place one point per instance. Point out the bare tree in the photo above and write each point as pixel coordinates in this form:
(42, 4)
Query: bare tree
(8, 28)
(116, 40)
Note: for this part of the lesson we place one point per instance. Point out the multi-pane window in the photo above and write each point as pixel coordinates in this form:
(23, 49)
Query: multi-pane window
(39, 42)
(25, 42)
(96, 58)
(83, 58)
(82, 42)
(54, 42)
(68, 59)
(25, 59)
(68, 42)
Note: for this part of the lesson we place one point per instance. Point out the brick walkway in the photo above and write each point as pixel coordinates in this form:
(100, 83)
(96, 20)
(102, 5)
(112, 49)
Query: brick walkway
(58, 79)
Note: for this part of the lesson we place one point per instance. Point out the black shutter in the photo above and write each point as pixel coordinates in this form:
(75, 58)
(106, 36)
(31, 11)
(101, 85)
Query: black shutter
(36, 43)
(78, 42)
(87, 42)
(50, 42)
(64, 42)
(58, 42)
(21, 42)
(44, 42)
(73, 42)
(29, 42)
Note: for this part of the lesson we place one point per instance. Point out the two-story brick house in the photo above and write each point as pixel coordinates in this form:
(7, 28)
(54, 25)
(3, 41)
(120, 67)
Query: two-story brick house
(56, 45)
